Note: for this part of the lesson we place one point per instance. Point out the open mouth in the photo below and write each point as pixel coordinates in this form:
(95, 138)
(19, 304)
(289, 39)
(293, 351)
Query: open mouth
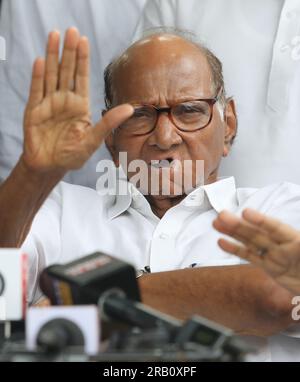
(163, 163)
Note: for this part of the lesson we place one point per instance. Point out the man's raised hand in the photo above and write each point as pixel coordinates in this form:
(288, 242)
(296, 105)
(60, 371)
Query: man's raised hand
(58, 132)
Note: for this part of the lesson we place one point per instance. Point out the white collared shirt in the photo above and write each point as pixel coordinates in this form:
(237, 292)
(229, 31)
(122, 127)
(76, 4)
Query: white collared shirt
(258, 43)
(76, 221)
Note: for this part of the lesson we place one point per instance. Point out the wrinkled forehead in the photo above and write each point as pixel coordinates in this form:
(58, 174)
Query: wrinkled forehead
(162, 66)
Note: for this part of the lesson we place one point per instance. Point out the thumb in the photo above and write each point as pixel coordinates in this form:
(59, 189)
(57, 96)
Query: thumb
(111, 120)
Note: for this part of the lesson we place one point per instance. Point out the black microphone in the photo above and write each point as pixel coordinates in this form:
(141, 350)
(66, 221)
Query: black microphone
(111, 284)
(105, 281)
(114, 304)
(84, 280)
(58, 335)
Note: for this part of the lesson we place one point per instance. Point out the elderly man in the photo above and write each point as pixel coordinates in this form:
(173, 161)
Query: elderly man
(258, 43)
(166, 104)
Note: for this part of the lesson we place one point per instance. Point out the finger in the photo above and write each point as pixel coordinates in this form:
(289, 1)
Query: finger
(240, 251)
(271, 263)
(277, 230)
(111, 120)
(52, 63)
(36, 94)
(68, 63)
(83, 66)
(247, 233)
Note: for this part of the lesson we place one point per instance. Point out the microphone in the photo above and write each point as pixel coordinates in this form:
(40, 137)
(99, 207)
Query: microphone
(60, 329)
(83, 281)
(13, 284)
(111, 284)
(104, 281)
(58, 335)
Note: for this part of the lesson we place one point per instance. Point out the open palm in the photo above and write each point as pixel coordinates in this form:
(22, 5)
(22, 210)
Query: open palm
(58, 133)
(266, 242)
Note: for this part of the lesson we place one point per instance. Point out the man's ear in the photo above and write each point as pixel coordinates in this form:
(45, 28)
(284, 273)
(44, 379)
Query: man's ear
(110, 144)
(230, 120)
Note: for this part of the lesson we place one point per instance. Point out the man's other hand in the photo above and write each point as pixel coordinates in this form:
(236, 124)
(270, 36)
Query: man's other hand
(265, 242)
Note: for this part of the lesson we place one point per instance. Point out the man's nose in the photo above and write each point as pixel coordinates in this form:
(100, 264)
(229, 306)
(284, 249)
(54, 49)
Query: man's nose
(165, 134)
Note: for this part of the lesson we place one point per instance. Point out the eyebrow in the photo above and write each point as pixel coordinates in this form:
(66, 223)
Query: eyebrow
(172, 102)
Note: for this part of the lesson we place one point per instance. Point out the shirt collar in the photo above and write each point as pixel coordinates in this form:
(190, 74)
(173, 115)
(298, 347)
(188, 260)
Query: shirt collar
(221, 195)
(119, 203)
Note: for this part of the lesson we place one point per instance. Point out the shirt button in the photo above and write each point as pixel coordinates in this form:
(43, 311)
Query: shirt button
(290, 14)
(163, 236)
(284, 48)
(195, 200)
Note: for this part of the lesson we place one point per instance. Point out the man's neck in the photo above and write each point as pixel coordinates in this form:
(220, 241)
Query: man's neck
(161, 204)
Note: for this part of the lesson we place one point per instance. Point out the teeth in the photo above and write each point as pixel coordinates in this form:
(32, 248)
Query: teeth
(161, 163)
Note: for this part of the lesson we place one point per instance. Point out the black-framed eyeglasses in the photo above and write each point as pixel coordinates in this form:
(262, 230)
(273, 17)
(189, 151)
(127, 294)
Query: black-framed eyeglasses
(187, 116)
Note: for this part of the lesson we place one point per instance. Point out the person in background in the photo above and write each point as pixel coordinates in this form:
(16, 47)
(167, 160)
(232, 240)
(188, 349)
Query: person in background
(258, 43)
(109, 25)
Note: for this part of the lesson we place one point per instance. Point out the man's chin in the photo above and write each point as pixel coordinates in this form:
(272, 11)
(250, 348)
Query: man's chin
(171, 196)
(162, 184)
(159, 192)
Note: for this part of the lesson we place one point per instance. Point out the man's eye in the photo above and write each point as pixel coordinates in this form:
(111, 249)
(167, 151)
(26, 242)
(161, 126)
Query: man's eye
(193, 109)
(142, 113)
